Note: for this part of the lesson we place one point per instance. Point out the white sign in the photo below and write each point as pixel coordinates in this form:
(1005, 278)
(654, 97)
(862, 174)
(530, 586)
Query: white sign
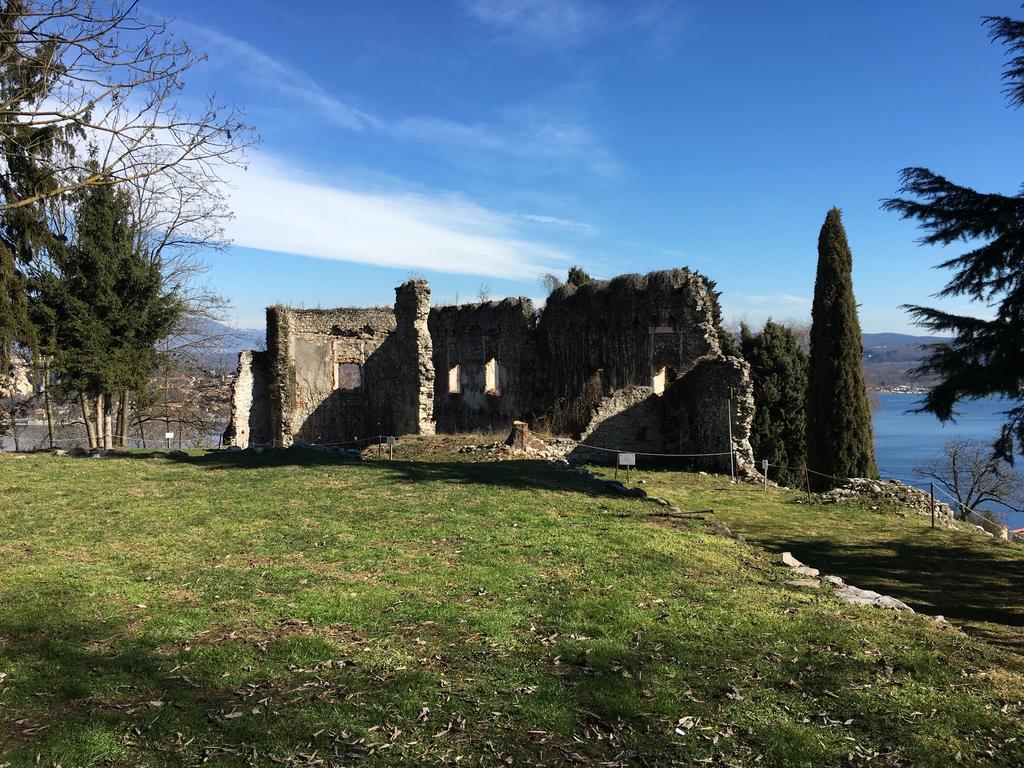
(168, 435)
(627, 459)
(390, 440)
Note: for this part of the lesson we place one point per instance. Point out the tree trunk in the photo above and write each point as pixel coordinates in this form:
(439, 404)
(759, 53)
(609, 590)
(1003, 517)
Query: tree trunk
(108, 423)
(90, 427)
(100, 420)
(49, 404)
(122, 421)
(142, 429)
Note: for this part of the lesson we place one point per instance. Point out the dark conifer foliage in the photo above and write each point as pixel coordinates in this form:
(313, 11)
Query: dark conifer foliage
(839, 437)
(578, 276)
(107, 299)
(986, 356)
(778, 369)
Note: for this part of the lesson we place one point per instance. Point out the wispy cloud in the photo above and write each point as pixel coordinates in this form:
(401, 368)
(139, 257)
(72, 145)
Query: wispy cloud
(562, 23)
(283, 209)
(522, 132)
(283, 79)
(569, 225)
(568, 24)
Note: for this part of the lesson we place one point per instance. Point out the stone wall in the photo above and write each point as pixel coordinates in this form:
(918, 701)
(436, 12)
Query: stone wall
(466, 340)
(414, 400)
(621, 332)
(699, 407)
(630, 364)
(335, 373)
(250, 407)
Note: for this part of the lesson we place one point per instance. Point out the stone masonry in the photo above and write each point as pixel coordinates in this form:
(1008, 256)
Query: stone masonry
(630, 364)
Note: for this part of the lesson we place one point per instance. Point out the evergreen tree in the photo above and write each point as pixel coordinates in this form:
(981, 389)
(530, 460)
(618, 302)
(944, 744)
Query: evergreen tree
(985, 357)
(778, 369)
(109, 304)
(26, 79)
(578, 276)
(839, 438)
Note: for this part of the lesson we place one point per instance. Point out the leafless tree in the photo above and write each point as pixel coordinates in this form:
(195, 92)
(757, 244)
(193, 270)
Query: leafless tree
(971, 472)
(104, 77)
(550, 282)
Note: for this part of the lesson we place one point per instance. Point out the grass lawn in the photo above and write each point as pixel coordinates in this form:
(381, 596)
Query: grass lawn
(967, 577)
(290, 609)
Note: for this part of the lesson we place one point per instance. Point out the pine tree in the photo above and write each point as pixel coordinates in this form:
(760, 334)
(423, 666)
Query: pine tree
(778, 369)
(578, 276)
(109, 303)
(26, 79)
(839, 438)
(985, 357)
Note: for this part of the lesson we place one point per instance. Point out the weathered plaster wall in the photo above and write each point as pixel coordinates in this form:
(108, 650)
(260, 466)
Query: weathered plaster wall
(308, 348)
(250, 406)
(470, 336)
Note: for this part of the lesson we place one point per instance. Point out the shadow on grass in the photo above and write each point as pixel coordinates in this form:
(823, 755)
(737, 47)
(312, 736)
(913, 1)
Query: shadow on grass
(968, 584)
(523, 474)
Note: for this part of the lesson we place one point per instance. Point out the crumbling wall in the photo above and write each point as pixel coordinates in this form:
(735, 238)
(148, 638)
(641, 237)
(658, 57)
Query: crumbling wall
(698, 410)
(466, 340)
(629, 419)
(621, 331)
(631, 364)
(250, 406)
(334, 373)
(414, 403)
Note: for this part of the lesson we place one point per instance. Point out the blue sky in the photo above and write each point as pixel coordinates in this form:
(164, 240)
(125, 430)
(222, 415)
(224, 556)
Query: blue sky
(484, 142)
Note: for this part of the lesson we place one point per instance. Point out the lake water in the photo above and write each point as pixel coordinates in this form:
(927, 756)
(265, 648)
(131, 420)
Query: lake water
(903, 440)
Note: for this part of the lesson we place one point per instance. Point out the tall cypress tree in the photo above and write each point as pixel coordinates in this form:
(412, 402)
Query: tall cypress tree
(778, 370)
(839, 439)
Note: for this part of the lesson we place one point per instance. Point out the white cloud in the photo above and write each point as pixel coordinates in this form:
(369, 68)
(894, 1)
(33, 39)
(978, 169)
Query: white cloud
(561, 23)
(285, 210)
(280, 77)
(655, 25)
(570, 225)
(522, 132)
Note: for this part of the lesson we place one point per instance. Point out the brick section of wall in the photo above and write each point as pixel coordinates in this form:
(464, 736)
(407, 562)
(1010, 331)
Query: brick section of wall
(470, 336)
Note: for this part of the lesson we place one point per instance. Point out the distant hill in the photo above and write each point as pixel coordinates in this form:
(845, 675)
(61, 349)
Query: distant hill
(889, 356)
(220, 343)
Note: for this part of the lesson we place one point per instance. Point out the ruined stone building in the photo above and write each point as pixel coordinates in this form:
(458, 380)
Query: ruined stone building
(630, 364)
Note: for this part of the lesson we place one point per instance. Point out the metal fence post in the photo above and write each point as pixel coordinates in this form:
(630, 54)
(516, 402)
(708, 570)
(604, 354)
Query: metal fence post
(931, 493)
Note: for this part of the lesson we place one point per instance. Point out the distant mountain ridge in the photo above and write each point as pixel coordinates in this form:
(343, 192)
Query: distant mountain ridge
(888, 357)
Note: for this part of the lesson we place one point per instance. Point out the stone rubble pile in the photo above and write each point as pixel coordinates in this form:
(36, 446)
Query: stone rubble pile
(846, 592)
(550, 450)
(913, 499)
